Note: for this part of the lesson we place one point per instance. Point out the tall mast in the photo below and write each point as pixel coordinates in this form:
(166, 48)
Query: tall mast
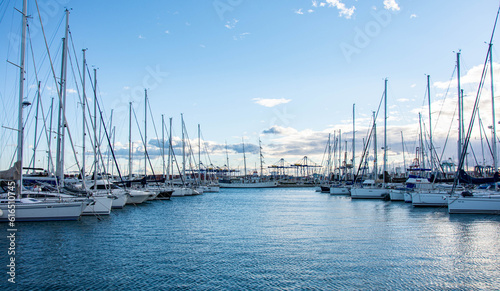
(62, 108)
(329, 163)
(170, 152)
(375, 162)
(422, 151)
(431, 149)
(50, 137)
(385, 131)
(353, 140)
(36, 126)
(493, 127)
(20, 127)
(96, 164)
(130, 141)
(163, 143)
(145, 132)
(183, 150)
(199, 154)
(460, 109)
(84, 100)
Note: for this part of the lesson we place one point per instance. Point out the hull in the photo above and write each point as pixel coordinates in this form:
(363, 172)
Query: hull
(489, 204)
(44, 211)
(408, 197)
(430, 199)
(397, 195)
(369, 193)
(137, 197)
(269, 184)
(339, 191)
(101, 206)
(120, 201)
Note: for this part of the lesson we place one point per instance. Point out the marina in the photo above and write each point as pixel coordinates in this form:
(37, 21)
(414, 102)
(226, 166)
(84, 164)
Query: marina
(251, 239)
(401, 193)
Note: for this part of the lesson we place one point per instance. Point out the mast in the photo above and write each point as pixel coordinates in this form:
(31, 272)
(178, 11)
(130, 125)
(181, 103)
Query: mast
(460, 109)
(20, 127)
(493, 127)
(261, 157)
(163, 143)
(329, 163)
(375, 162)
(227, 161)
(36, 126)
(84, 99)
(244, 158)
(353, 140)
(50, 136)
(130, 142)
(403, 146)
(170, 151)
(145, 132)
(199, 155)
(431, 149)
(96, 164)
(385, 131)
(183, 150)
(422, 152)
(62, 108)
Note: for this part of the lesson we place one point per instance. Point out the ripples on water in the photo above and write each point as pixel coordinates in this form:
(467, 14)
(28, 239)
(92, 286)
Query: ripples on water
(262, 239)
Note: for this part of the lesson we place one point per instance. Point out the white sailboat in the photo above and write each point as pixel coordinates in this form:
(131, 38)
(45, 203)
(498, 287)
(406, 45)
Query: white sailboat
(370, 189)
(30, 209)
(254, 181)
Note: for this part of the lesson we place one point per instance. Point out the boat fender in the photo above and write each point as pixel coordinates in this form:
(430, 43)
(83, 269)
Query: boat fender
(1, 212)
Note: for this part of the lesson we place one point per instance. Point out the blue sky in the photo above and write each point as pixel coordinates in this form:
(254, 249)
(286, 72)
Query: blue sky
(287, 72)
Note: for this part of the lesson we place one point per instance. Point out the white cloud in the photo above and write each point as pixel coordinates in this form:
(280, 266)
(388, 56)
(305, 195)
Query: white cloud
(271, 102)
(310, 11)
(403, 100)
(391, 5)
(343, 10)
(167, 32)
(413, 16)
(413, 85)
(231, 24)
(141, 37)
(315, 3)
(240, 36)
(299, 11)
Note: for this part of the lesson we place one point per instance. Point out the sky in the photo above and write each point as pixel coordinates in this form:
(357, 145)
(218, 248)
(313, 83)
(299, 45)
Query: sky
(285, 72)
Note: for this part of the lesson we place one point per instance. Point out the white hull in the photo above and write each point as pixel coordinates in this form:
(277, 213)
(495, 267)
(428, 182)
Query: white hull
(408, 197)
(269, 184)
(369, 193)
(137, 197)
(179, 192)
(101, 206)
(339, 191)
(212, 189)
(488, 204)
(397, 195)
(430, 199)
(44, 211)
(120, 201)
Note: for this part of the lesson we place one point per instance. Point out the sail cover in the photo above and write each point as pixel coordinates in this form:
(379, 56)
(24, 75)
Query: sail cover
(13, 173)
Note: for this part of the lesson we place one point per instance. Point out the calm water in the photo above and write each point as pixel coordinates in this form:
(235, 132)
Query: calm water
(265, 239)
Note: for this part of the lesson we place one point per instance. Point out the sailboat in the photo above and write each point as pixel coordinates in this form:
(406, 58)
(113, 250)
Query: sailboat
(369, 188)
(12, 206)
(484, 201)
(254, 181)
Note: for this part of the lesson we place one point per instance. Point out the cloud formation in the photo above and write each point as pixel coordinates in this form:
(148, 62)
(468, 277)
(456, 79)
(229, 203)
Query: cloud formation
(391, 5)
(271, 102)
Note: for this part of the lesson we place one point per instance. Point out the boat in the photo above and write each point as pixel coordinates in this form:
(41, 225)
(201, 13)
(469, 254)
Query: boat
(12, 206)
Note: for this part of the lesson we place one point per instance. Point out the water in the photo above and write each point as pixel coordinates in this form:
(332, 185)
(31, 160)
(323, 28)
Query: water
(261, 239)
